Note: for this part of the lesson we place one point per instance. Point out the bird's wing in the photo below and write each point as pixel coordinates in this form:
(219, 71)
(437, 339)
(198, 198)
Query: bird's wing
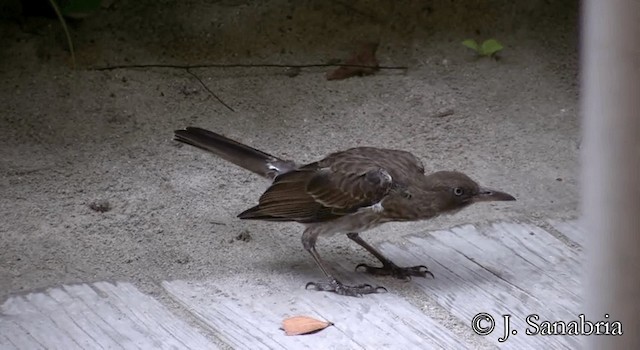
(338, 185)
(400, 164)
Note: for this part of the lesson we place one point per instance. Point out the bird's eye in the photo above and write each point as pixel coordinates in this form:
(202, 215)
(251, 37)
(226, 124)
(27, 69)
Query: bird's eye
(458, 191)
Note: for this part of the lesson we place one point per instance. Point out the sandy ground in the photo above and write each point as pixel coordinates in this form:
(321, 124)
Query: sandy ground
(71, 138)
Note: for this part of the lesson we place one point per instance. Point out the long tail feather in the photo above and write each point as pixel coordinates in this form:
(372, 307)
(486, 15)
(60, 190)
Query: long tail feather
(259, 162)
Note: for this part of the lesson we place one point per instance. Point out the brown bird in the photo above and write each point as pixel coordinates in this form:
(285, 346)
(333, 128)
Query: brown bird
(348, 192)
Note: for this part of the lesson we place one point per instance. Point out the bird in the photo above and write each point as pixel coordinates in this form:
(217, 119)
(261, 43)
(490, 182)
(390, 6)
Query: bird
(347, 192)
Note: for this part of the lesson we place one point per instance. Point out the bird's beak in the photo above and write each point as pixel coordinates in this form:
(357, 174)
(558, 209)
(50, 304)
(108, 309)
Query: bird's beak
(489, 195)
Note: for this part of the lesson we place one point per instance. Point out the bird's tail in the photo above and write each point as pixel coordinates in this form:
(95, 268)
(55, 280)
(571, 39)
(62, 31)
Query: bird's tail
(235, 152)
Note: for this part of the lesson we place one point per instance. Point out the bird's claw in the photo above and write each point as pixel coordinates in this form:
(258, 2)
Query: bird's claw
(393, 270)
(337, 287)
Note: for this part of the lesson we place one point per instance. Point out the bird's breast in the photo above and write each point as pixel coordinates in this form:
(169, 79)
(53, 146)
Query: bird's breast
(406, 206)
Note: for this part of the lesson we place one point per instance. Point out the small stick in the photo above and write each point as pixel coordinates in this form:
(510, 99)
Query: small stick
(238, 65)
(211, 92)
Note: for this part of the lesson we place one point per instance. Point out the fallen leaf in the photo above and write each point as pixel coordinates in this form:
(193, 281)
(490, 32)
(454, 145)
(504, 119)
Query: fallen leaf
(364, 56)
(298, 325)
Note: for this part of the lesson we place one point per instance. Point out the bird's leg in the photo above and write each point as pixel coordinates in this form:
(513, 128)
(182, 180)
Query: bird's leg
(309, 238)
(388, 267)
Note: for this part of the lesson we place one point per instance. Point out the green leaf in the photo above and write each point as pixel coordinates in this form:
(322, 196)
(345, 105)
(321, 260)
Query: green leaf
(472, 44)
(490, 47)
(79, 8)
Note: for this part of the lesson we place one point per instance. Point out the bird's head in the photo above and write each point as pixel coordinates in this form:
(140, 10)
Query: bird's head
(456, 190)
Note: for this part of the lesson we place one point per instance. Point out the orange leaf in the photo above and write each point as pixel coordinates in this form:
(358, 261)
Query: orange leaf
(298, 325)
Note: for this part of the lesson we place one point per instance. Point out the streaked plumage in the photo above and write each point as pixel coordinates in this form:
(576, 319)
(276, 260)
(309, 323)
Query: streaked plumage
(347, 192)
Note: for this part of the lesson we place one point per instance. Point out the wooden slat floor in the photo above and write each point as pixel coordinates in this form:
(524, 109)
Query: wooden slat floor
(513, 268)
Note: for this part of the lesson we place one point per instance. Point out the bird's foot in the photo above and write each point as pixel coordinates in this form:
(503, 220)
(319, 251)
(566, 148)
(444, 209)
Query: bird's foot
(337, 287)
(391, 269)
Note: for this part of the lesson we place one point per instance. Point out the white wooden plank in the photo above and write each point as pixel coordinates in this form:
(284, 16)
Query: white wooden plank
(501, 269)
(64, 323)
(506, 268)
(245, 316)
(15, 336)
(249, 316)
(104, 334)
(6, 343)
(572, 229)
(38, 324)
(107, 317)
(160, 324)
(127, 333)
